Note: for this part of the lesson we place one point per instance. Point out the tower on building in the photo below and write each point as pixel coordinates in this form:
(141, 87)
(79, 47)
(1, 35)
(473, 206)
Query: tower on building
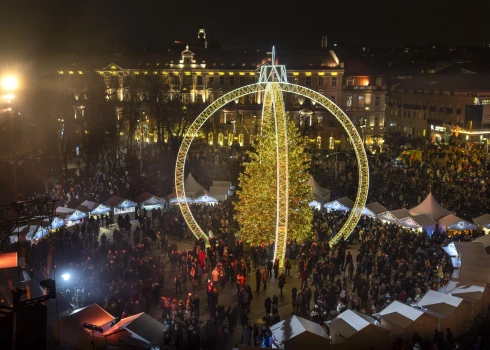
(201, 35)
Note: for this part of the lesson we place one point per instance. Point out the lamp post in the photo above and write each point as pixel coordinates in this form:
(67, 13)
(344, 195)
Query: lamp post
(9, 84)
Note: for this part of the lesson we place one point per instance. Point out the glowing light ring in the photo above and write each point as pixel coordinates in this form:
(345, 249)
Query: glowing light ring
(362, 162)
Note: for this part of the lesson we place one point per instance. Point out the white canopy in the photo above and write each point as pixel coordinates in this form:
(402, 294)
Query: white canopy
(191, 186)
(205, 198)
(318, 190)
(343, 203)
(485, 240)
(439, 303)
(142, 327)
(219, 192)
(483, 220)
(475, 262)
(93, 208)
(400, 314)
(373, 209)
(452, 222)
(430, 207)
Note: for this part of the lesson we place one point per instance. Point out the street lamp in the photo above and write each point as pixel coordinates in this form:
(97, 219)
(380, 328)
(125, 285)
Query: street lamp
(9, 83)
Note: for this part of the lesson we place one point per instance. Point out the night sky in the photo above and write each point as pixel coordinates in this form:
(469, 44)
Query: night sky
(56, 26)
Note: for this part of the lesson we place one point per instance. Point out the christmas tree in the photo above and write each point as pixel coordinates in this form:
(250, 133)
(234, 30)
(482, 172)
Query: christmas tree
(256, 198)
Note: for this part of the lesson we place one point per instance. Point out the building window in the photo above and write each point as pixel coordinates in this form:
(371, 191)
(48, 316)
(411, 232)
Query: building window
(211, 80)
(319, 142)
(232, 81)
(379, 82)
(319, 120)
(333, 98)
(252, 99)
(320, 81)
(252, 80)
(331, 143)
(230, 139)
(376, 101)
(334, 81)
(210, 138)
(222, 80)
(404, 114)
(220, 139)
(349, 82)
(360, 102)
(305, 141)
(242, 81)
(222, 118)
(441, 109)
(199, 80)
(348, 102)
(241, 140)
(308, 81)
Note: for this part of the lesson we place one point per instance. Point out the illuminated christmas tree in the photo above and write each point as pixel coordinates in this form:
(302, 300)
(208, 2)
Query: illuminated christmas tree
(256, 199)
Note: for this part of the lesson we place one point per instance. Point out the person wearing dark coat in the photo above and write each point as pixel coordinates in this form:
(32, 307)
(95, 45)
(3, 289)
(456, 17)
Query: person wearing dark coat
(258, 279)
(268, 305)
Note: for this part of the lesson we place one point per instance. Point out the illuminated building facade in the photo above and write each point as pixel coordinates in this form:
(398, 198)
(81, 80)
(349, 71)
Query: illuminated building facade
(198, 75)
(421, 106)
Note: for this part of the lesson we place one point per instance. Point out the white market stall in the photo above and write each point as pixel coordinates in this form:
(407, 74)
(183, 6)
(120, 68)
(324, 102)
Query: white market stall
(409, 320)
(28, 233)
(121, 206)
(483, 221)
(430, 207)
(149, 201)
(373, 209)
(341, 204)
(320, 194)
(93, 208)
(453, 223)
(351, 330)
(450, 311)
(205, 198)
(140, 327)
(192, 190)
(394, 216)
(219, 192)
(71, 216)
(476, 293)
(294, 332)
(422, 222)
(172, 198)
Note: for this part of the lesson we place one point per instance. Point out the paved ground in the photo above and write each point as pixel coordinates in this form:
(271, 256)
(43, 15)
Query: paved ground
(228, 297)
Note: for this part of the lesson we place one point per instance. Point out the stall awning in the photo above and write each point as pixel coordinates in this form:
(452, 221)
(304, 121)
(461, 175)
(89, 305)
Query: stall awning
(430, 207)
(483, 220)
(452, 222)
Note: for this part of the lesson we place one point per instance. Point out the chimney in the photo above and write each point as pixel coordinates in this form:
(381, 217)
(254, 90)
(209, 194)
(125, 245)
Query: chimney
(324, 42)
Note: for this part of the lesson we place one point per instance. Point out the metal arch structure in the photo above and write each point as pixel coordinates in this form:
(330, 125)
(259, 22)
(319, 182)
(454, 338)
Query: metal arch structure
(275, 90)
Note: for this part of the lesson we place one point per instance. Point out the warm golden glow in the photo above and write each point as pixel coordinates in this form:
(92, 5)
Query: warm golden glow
(187, 73)
(231, 73)
(211, 73)
(295, 73)
(10, 83)
(308, 74)
(334, 73)
(252, 73)
(241, 73)
(221, 73)
(321, 73)
(61, 72)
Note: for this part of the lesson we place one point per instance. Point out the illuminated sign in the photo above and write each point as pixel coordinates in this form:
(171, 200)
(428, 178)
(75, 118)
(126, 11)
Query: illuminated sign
(119, 211)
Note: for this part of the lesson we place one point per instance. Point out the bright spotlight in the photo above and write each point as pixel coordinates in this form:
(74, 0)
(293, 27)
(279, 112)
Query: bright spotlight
(9, 97)
(65, 276)
(9, 83)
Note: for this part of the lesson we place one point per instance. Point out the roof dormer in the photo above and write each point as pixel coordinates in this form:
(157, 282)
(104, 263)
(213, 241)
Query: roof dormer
(187, 56)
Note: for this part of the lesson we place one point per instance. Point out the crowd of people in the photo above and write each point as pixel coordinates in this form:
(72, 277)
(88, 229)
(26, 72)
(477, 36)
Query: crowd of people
(139, 267)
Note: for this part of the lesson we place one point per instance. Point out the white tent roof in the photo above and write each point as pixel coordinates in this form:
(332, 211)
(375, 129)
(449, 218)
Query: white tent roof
(423, 220)
(350, 322)
(473, 290)
(294, 326)
(475, 263)
(453, 222)
(400, 213)
(340, 203)
(317, 189)
(400, 314)
(485, 240)
(483, 220)
(192, 186)
(93, 314)
(441, 303)
(430, 207)
(142, 327)
(376, 208)
(219, 192)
